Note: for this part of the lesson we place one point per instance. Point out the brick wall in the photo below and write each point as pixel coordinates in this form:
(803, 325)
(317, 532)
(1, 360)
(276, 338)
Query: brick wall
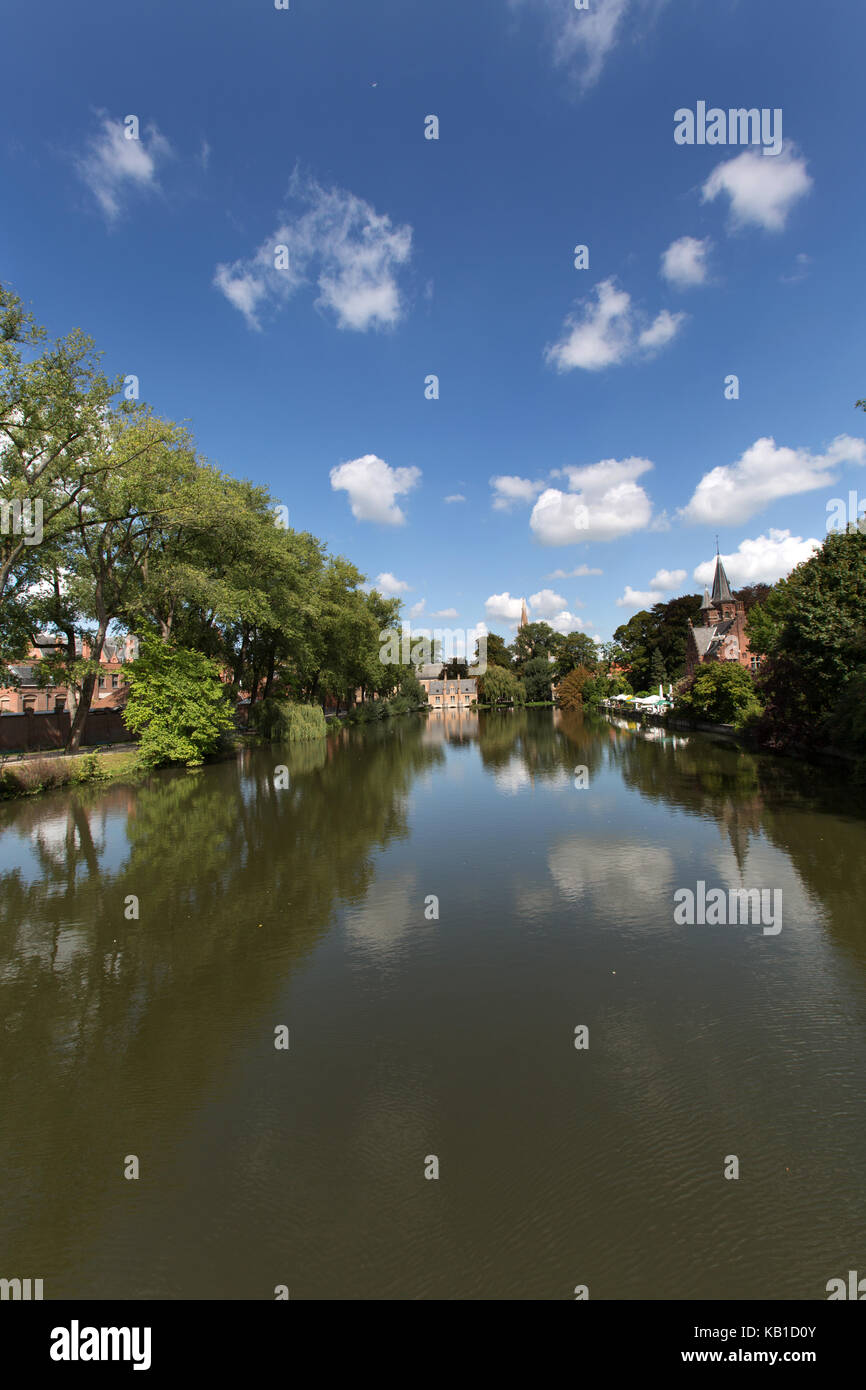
(31, 732)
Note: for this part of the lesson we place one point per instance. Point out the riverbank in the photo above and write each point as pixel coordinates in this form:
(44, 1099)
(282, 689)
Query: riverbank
(30, 776)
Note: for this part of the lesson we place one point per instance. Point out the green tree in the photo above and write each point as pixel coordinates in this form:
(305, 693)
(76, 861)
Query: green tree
(811, 631)
(177, 704)
(721, 692)
(537, 676)
(534, 641)
(576, 650)
(658, 674)
(497, 652)
(500, 687)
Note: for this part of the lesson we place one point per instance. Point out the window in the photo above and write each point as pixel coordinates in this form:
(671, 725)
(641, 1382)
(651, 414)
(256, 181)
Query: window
(101, 682)
(115, 680)
(30, 705)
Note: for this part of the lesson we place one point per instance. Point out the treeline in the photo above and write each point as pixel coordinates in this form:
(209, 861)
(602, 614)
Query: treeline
(113, 521)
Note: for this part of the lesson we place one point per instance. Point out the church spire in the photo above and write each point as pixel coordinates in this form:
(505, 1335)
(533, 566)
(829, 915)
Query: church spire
(721, 587)
(706, 603)
(524, 616)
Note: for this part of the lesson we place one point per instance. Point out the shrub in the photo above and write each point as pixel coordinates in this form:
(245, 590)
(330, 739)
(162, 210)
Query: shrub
(721, 692)
(177, 704)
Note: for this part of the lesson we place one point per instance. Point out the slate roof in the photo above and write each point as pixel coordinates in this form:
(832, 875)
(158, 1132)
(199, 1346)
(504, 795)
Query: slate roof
(721, 587)
(707, 639)
(465, 687)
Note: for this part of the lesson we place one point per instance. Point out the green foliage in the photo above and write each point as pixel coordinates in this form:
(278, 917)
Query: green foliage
(281, 721)
(576, 650)
(497, 652)
(811, 629)
(537, 676)
(720, 692)
(501, 687)
(664, 628)
(534, 641)
(177, 704)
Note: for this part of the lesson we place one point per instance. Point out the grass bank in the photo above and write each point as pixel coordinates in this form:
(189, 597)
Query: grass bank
(33, 775)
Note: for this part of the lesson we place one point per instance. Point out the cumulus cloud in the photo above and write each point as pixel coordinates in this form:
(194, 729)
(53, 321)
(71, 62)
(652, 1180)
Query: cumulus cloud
(579, 572)
(389, 586)
(418, 608)
(504, 607)
(639, 598)
(331, 238)
(663, 582)
(445, 613)
(765, 472)
(113, 165)
(564, 622)
(609, 332)
(761, 191)
(373, 487)
(762, 560)
(604, 501)
(667, 579)
(455, 497)
(546, 603)
(684, 263)
(509, 489)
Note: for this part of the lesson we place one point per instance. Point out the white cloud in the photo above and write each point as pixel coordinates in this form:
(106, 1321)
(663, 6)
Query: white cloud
(204, 155)
(661, 331)
(545, 603)
(445, 613)
(389, 586)
(604, 501)
(762, 560)
(564, 622)
(579, 572)
(456, 497)
(765, 472)
(761, 191)
(684, 263)
(373, 487)
(584, 39)
(610, 332)
(639, 598)
(337, 240)
(662, 582)
(667, 579)
(503, 606)
(508, 489)
(418, 608)
(113, 166)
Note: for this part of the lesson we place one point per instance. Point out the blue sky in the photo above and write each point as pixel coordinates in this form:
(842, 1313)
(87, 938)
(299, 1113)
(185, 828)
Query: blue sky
(595, 396)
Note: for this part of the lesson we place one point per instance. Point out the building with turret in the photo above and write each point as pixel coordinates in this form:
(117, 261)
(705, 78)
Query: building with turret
(722, 634)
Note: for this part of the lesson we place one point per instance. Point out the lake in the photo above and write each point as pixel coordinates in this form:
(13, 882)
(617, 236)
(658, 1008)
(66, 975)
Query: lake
(435, 911)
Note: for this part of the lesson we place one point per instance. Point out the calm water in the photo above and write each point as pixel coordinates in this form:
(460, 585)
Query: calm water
(410, 1036)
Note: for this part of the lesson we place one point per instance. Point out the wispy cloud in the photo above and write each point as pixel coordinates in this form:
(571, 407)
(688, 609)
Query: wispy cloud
(121, 159)
(335, 240)
(583, 39)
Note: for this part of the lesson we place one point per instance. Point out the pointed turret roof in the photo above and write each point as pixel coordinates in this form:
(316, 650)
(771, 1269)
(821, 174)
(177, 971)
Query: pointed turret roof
(524, 616)
(706, 603)
(721, 587)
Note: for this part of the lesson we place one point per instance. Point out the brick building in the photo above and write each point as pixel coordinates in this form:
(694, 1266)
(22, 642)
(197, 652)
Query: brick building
(447, 694)
(722, 634)
(30, 696)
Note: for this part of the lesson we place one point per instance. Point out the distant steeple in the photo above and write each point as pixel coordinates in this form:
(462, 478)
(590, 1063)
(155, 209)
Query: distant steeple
(721, 587)
(524, 616)
(706, 603)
